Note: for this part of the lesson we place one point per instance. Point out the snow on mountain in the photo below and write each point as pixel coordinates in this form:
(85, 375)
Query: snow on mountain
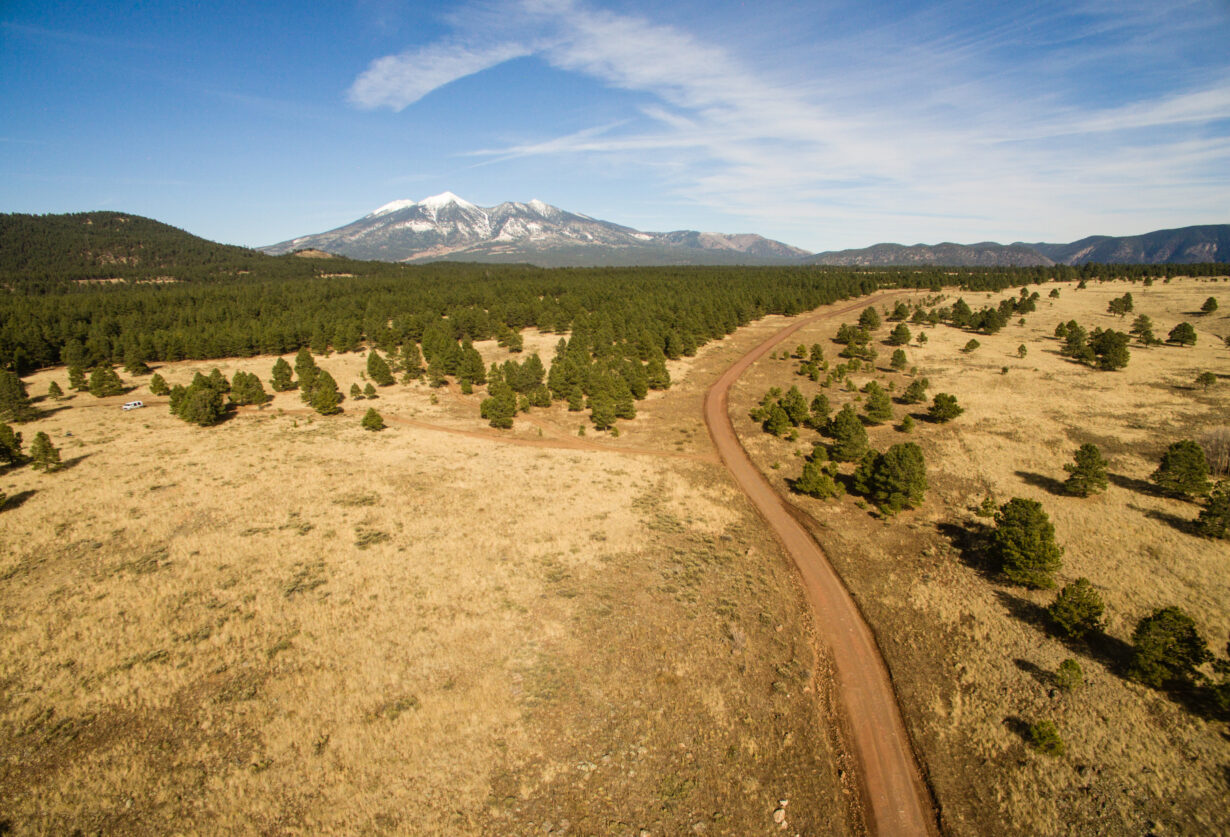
(447, 226)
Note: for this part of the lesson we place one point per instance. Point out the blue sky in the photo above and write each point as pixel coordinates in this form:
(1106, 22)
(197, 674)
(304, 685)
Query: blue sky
(823, 124)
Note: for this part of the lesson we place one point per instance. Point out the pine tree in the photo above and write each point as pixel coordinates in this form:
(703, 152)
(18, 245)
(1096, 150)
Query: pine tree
(325, 399)
(14, 401)
(895, 479)
(134, 360)
(1023, 543)
(218, 381)
(369, 392)
(898, 361)
(656, 372)
(916, 392)
(1204, 380)
(820, 411)
(1214, 518)
(500, 406)
(869, 320)
(200, 404)
(878, 407)
(356, 394)
(971, 346)
(372, 420)
(1110, 348)
(246, 388)
(777, 420)
(1183, 334)
(944, 407)
(602, 410)
(1184, 470)
(10, 446)
(104, 382)
(816, 482)
(1077, 609)
(795, 406)
(411, 362)
(1021, 351)
(280, 378)
(900, 335)
(1167, 647)
(849, 436)
(378, 369)
(76, 379)
(44, 456)
(1087, 474)
(306, 370)
(1210, 305)
(158, 385)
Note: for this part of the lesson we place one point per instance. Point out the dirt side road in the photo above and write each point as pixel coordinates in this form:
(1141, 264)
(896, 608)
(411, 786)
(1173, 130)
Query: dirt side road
(894, 797)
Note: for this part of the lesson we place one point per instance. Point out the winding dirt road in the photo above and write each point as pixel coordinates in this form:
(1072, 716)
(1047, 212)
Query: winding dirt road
(895, 799)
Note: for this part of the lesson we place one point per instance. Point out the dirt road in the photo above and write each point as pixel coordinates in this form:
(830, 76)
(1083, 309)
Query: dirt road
(895, 799)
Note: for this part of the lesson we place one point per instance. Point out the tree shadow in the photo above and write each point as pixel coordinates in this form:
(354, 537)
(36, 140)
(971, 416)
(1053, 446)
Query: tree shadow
(1024, 610)
(1048, 484)
(1018, 726)
(1038, 673)
(1139, 486)
(73, 462)
(970, 542)
(1187, 527)
(17, 500)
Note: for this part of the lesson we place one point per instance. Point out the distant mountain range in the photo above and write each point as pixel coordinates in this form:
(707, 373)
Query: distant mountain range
(446, 227)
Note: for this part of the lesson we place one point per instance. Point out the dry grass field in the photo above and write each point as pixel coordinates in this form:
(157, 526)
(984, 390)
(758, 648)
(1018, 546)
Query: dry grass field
(286, 624)
(971, 658)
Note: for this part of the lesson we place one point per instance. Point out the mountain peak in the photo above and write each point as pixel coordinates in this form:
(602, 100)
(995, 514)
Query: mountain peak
(434, 203)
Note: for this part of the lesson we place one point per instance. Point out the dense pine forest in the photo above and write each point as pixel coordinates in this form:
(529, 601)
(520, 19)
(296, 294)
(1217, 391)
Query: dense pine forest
(104, 287)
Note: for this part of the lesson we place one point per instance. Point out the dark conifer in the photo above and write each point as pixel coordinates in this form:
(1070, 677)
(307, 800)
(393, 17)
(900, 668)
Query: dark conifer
(44, 456)
(849, 436)
(281, 376)
(372, 420)
(1088, 474)
(10, 446)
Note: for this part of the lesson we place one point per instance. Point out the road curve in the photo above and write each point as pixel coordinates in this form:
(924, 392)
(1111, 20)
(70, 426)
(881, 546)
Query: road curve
(895, 799)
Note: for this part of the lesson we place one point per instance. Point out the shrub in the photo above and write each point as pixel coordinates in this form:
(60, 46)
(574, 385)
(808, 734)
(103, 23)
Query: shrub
(1204, 380)
(1077, 609)
(1023, 544)
(1167, 647)
(1069, 675)
(1044, 737)
(971, 346)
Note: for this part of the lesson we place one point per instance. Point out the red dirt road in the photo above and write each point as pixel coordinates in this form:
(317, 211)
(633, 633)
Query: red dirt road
(895, 799)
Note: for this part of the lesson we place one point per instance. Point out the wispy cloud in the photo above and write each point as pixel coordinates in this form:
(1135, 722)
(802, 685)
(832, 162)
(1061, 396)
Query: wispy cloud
(941, 128)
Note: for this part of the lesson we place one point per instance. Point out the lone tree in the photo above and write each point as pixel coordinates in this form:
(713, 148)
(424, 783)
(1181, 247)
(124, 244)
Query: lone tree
(1183, 334)
(1077, 609)
(104, 382)
(1110, 349)
(158, 385)
(54, 392)
(1210, 305)
(14, 400)
(1044, 737)
(280, 379)
(372, 420)
(849, 436)
(1214, 518)
(378, 369)
(1023, 544)
(898, 360)
(1183, 471)
(1088, 474)
(971, 346)
(10, 446)
(1204, 380)
(895, 479)
(944, 407)
(1167, 648)
(44, 456)
(900, 335)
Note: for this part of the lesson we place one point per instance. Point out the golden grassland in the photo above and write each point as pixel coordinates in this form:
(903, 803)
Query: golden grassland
(286, 624)
(970, 656)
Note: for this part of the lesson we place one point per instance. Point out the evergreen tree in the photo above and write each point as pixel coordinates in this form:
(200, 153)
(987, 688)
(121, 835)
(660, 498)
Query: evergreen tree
(54, 392)
(411, 362)
(1204, 380)
(372, 420)
(246, 388)
(325, 399)
(76, 379)
(1077, 609)
(1021, 351)
(1183, 471)
(777, 420)
(898, 360)
(878, 407)
(134, 360)
(10, 446)
(500, 406)
(1210, 305)
(1214, 518)
(1088, 474)
(1110, 348)
(869, 320)
(369, 391)
(971, 346)
(158, 385)
(849, 436)
(356, 394)
(602, 410)
(218, 381)
(1183, 334)
(659, 377)
(916, 392)
(306, 370)
(200, 403)
(1167, 647)
(795, 406)
(816, 482)
(14, 401)
(44, 456)
(895, 479)
(280, 378)
(900, 336)
(1023, 544)
(944, 407)
(104, 382)
(820, 410)
(472, 368)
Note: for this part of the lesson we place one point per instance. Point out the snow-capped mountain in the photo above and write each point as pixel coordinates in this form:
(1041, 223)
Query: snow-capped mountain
(448, 227)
